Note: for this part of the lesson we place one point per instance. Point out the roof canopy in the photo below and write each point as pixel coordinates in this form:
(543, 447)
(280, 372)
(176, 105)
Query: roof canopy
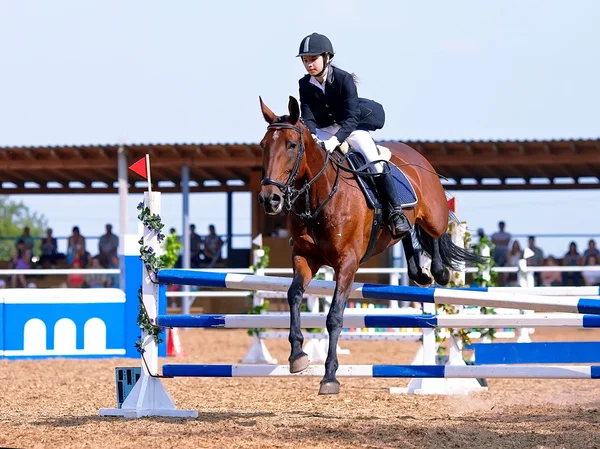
(468, 165)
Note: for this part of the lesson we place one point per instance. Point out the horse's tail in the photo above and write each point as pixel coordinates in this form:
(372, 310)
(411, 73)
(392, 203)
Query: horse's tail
(452, 255)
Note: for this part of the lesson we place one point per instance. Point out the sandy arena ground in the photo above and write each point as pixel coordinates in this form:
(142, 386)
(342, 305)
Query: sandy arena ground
(54, 403)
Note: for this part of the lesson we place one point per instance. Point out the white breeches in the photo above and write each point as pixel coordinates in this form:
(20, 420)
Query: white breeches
(359, 140)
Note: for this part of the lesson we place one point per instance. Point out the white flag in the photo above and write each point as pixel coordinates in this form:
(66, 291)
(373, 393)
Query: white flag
(258, 241)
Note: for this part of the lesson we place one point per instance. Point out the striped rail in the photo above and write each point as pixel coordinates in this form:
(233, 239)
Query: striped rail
(386, 292)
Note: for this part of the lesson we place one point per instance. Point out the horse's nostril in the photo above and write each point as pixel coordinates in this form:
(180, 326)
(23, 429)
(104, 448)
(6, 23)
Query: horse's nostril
(275, 200)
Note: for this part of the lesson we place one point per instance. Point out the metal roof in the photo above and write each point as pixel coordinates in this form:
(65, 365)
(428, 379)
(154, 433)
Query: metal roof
(469, 165)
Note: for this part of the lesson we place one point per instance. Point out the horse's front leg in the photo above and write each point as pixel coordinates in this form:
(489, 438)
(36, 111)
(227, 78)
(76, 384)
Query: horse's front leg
(304, 270)
(335, 322)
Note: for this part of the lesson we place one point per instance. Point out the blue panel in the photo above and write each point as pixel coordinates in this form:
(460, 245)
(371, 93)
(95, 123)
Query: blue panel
(191, 320)
(585, 305)
(397, 292)
(162, 305)
(188, 277)
(591, 320)
(551, 352)
(17, 315)
(132, 267)
(374, 321)
(433, 371)
(2, 327)
(595, 372)
(197, 370)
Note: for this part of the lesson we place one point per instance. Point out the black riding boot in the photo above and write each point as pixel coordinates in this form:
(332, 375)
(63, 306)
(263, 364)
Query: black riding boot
(399, 224)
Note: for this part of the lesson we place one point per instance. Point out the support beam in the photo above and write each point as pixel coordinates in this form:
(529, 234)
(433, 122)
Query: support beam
(123, 188)
(229, 222)
(185, 231)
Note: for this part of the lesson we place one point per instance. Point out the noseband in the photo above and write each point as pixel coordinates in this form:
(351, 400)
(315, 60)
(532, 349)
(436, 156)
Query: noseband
(289, 191)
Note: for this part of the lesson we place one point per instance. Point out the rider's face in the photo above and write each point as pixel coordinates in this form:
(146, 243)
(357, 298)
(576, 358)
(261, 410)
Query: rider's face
(313, 64)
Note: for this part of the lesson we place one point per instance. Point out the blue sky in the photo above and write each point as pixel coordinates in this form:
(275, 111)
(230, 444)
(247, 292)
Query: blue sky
(96, 72)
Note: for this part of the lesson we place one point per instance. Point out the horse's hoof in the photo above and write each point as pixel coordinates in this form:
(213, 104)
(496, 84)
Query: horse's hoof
(425, 279)
(329, 388)
(300, 364)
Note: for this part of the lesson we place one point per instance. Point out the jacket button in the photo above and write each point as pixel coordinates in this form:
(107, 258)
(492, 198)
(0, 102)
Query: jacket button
(326, 105)
(330, 115)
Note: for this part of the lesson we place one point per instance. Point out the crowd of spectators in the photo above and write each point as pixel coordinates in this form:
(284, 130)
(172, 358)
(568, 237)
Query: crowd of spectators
(508, 252)
(27, 256)
(205, 251)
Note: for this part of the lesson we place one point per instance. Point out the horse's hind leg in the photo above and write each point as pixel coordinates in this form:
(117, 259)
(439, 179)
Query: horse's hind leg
(415, 272)
(304, 270)
(441, 274)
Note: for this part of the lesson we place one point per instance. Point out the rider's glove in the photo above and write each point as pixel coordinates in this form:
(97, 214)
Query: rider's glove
(331, 144)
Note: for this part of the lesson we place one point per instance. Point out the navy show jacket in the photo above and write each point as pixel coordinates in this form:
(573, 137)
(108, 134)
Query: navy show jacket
(339, 104)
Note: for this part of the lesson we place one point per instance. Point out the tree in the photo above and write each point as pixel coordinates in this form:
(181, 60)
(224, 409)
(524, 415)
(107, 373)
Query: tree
(13, 218)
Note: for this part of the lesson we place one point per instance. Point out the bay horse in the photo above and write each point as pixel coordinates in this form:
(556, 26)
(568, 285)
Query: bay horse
(334, 227)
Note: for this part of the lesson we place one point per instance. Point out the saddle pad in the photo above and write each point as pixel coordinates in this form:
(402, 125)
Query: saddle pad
(404, 189)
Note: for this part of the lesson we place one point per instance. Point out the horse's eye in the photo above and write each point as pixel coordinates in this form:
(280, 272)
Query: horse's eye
(291, 145)
(262, 145)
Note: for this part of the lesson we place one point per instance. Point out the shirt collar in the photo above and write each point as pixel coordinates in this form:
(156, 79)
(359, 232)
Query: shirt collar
(328, 77)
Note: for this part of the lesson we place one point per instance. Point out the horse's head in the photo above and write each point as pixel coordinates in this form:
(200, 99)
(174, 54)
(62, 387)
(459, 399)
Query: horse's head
(283, 161)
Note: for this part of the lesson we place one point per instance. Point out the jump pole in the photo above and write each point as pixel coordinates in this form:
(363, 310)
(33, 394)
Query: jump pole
(385, 292)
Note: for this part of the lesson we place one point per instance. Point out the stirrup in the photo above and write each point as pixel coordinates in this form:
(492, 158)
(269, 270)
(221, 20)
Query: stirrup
(405, 225)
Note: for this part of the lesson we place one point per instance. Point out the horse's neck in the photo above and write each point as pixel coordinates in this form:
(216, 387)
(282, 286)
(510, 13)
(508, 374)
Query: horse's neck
(316, 158)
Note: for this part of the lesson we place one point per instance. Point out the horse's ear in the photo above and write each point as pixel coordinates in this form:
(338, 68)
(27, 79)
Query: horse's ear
(294, 110)
(266, 112)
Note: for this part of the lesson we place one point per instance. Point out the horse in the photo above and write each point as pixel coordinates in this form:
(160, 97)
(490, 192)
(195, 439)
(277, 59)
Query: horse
(330, 223)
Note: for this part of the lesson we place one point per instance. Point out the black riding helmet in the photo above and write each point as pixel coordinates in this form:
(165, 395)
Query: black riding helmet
(314, 45)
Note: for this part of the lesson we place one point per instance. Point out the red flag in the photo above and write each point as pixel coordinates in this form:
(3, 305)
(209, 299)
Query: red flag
(140, 168)
(452, 204)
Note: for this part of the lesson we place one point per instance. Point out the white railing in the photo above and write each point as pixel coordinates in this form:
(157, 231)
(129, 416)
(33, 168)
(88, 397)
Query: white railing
(56, 271)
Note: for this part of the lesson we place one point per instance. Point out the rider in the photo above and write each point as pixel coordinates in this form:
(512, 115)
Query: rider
(333, 112)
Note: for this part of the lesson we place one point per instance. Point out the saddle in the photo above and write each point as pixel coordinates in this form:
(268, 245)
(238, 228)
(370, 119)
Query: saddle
(404, 189)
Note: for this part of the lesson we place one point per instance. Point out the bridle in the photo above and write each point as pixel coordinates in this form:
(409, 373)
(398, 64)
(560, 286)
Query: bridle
(289, 190)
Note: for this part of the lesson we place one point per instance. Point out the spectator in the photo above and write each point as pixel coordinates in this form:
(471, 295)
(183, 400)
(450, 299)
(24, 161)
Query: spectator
(27, 239)
(49, 254)
(107, 246)
(75, 244)
(21, 261)
(537, 260)
(212, 246)
(75, 280)
(572, 258)
(589, 276)
(195, 247)
(501, 239)
(513, 258)
(2, 283)
(96, 280)
(551, 278)
(591, 250)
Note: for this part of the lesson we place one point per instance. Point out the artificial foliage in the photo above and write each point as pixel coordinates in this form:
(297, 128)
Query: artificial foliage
(484, 277)
(153, 264)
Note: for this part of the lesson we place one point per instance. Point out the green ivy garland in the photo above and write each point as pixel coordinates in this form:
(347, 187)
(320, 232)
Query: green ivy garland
(153, 263)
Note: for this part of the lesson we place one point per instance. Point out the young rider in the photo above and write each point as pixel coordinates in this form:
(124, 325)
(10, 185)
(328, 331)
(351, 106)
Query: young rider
(333, 112)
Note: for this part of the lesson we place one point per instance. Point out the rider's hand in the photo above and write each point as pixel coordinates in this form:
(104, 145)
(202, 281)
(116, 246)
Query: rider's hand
(331, 144)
